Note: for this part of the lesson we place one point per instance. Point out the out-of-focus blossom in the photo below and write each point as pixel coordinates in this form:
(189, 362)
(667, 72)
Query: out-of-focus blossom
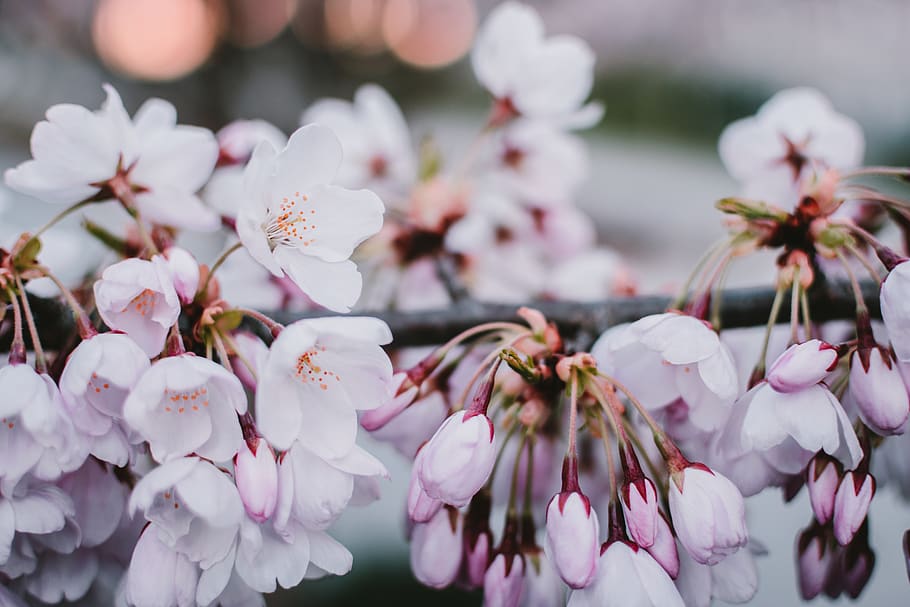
(795, 132)
(77, 153)
(374, 136)
(436, 549)
(531, 75)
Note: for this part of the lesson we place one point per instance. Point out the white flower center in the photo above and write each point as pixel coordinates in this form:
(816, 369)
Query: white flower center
(175, 401)
(293, 223)
(309, 371)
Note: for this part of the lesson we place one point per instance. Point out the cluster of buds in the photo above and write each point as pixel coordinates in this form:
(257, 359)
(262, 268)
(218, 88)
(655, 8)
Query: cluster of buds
(498, 457)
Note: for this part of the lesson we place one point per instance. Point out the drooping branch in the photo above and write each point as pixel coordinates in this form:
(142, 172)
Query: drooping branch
(581, 322)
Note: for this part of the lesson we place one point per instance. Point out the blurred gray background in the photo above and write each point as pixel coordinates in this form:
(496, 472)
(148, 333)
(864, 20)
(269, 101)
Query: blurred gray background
(672, 73)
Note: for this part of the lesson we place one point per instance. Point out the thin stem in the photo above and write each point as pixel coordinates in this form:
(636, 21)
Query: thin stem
(86, 329)
(62, 214)
(876, 170)
(484, 328)
(683, 293)
(513, 488)
(794, 307)
(230, 341)
(611, 465)
(807, 318)
(273, 326)
(222, 351)
(502, 450)
(573, 414)
(218, 263)
(717, 297)
(772, 320)
(854, 283)
(636, 442)
(481, 369)
(17, 353)
(863, 259)
(529, 473)
(40, 359)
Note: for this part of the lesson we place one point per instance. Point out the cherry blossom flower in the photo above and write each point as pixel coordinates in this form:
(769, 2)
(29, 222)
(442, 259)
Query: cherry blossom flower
(802, 366)
(256, 474)
(295, 222)
(573, 542)
(878, 390)
(38, 436)
(733, 580)
(780, 432)
(708, 514)
(184, 271)
(851, 504)
(436, 549)
(78, 154)
(822, 481)
(186, 404)
(532, 75)
(95, 382)
(160, 575)
(503, 581)
(317, 374)
(666, 357)
(458, 459)
(794, 132)
(138, 297)
(374, 136)
(626, 566)
(895, 294)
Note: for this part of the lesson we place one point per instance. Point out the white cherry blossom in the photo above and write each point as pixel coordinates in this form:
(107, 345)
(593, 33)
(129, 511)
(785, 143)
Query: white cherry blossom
(138, 297)
(77, 153)
(794, 132)
(374, 136)
(317, 374)
(539, 77)
(187, 404)
(295, 222)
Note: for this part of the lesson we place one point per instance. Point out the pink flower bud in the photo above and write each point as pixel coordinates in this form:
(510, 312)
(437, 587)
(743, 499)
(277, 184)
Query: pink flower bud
(708, 514)
(851, 504)
(895, 313)
(879, 390)
(256, 476)
(421, 507)
(639, 507)
(813, 560)
(858, 563)
(823, 479)
(405, 393)
(502, 583)
(436, 549)
(477, 558)
(458, 460)
(802, 365)
(663, 550)
(573, 538)
(185, 272)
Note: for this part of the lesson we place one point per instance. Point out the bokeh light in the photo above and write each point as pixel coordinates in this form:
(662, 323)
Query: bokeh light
(355, 25)
(429, 33)
(156, 39)
(256, 22)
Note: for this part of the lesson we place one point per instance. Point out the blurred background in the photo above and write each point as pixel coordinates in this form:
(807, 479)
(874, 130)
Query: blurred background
(671, 73)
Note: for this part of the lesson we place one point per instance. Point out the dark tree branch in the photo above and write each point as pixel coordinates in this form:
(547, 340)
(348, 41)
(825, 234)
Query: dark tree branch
(580, 322)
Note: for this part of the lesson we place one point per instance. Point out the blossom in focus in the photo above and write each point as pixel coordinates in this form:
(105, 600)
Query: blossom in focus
(665, 357)
(878, 390)
(95, 382)
(436, 548)
(78, 154)
(458, 460)
(573, 538)
(317, 374)
(295, 222)
(802, 366)
(708, 514)
(626, 566)
(187, 404)
(138, 297)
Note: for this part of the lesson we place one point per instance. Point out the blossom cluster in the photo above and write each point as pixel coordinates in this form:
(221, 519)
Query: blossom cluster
(178, 448)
